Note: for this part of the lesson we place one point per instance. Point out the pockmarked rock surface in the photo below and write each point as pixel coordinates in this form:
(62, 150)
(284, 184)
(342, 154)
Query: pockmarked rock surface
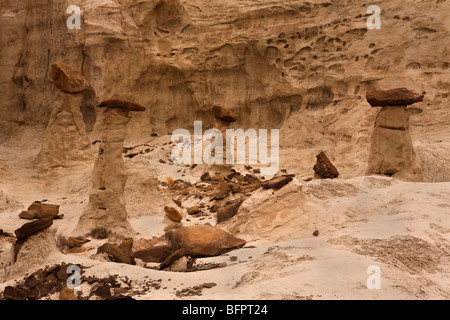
(274, 73)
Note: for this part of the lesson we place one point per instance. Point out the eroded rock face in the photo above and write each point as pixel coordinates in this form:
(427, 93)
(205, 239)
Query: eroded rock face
(65, 141)
(392, 151)
(252, 57)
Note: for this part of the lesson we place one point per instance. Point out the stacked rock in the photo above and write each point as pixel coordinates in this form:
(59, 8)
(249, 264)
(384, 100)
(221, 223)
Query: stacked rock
(392, 150)
(65, 138)
(106, 208)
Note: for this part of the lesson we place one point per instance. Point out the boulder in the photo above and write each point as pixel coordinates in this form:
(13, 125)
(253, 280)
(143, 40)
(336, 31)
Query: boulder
(178, 202)
(224, 191)
(115, 253)
(229, 210)
(121, 104)
(224, 114)
(324, 167)
(394, 97)
(67, 294)
(154, 254)
(204, 241)
(126, 245)
(276, 183)
(33, 227)
(173, 214)
(205, 176)
(39, 210)
(193, 210)
(67, 78)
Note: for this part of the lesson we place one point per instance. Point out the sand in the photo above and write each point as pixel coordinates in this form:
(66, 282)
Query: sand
(402, 227)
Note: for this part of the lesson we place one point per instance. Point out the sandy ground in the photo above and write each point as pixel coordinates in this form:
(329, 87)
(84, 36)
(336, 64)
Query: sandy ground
(402, 227)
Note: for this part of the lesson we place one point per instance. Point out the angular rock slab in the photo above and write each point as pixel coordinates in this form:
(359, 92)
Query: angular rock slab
(276, 183)
(154, 254)
(33, 227)
(67, 78)
(38, 210)
(229, 210)
(394, 97)
(121, 104)
(324, 167)
(204, 241)
(116, 254)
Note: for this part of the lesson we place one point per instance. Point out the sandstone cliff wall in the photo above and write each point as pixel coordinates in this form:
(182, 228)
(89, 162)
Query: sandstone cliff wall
(300, 66)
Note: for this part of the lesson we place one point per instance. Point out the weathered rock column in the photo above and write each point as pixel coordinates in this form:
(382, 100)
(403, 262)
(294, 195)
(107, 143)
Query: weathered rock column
(65, 139)
(392, 151)
(106, 208)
